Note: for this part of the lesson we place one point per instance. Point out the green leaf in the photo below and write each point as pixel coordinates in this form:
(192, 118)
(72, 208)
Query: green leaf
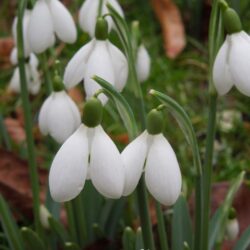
(128, 239)
(9, 226)
(58, 229)
(123, 107)
(244, 242)
(181, 225)
(139, 240)
(218, 223)
(31, 239)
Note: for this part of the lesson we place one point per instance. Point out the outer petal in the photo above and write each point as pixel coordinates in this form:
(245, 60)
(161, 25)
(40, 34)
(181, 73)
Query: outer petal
(88, 15)
(143, 64)
(43, 115)
(74, 72)
(15, 82)
(13, 56)
(239, 59)
(99, 64)
(120, 66)
(162, 172)
(40, 30)
(61, 117)
(133, 157)
(69, 168)
(116, 6)
(222, 77)
(106, 169)
(63, 22)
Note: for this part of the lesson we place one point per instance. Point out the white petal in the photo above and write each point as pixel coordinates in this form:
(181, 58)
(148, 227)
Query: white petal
(13, 56)
(63, 22)
(143, 64)
(75, 69)
(33, 61)
(33, 79)
(43, 116)
(99, 63)
(116, 6)
(61, 117)
(40, 30)
(162, 172)
(232, 229)
(133, 157)
(120, 66)
(69, 167)
(15, 82)
(106, 169)
(222, 77)
(88, 15)
(239, 60)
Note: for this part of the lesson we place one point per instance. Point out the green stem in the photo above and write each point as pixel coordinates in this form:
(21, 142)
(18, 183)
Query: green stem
(100, 8)
(48, 82)
(80, 221)
(146, 225)
(71, 220)
(28, 118)
(161, 228)
(208, 168)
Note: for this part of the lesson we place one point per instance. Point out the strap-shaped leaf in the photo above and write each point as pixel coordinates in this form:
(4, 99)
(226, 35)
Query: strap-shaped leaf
(244, 242)
(71, 246)
(123, 107)
(181, 225)
(128, 239)
(139, 240)
(219, 220)
(9, 226)
(58, 229)
(31, 239)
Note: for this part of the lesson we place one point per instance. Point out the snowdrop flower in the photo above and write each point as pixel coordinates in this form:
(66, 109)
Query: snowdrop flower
(98, 57)
(143, 63)
(231, 66)
(27, 50)
(232, 226)
(32, 75)
(151, 153)
(88, 154)
(89, 12)
(59, 116)
(50, 17)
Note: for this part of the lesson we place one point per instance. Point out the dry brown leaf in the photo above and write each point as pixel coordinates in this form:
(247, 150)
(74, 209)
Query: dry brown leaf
(15, 183)
(15, 130)
(6, 45)
(172, 26)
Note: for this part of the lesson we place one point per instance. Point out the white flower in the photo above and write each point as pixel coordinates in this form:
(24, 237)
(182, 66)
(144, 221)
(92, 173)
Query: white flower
(143, 64)
(232, 229)
(231, 66)
(32, 76)
(88, 154)
(50, 17)
(26, 19)
(162, 172)
(101, 58)
(44, 215)
(89, 13)
(59, 116)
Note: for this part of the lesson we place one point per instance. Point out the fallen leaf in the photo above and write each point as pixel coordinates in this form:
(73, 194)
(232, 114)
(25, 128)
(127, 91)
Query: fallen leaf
(15, 130)
(15, 183)
(172, 26)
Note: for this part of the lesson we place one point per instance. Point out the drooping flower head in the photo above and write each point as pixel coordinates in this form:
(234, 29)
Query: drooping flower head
(231, 66)
(59, 116)
(89, 13)
(98, 57)
(88, 154)
(50, 18)
(151, 153)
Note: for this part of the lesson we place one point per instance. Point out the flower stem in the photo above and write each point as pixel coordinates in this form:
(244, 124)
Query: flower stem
(208, 167)
(48, 83)
(28, 118)
(161, 227)
(71, 220)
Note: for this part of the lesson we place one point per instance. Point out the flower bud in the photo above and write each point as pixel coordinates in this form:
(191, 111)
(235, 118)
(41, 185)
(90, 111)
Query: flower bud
(232, 21)
(57, 83)
(44, 216)
(92, 112)
(101, 29)
(232, 226)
